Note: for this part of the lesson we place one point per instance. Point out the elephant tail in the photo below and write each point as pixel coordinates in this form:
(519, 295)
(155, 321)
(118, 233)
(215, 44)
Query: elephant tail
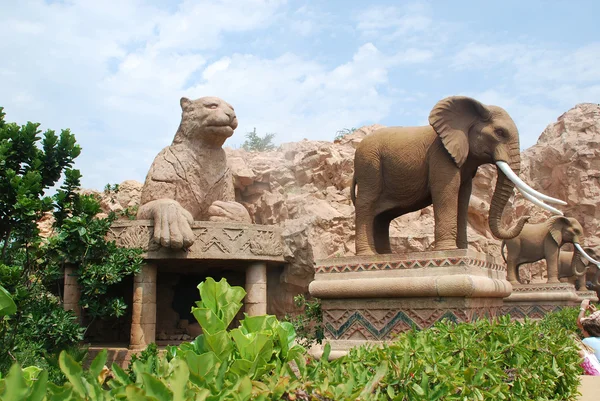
(502, 251)
(353, 190)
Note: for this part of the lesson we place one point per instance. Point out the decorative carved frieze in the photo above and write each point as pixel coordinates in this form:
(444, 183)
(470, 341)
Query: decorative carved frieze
(212, 241)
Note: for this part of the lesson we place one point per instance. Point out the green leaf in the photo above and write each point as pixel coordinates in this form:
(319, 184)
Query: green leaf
(120, 376)
(179, 379)
(98, 363)
(203, 368)
(16, 387)
(219, 343)
(73, 372)
(418, 389)
(136, 394)
(30, 373)
(38, 391)
(7, 305)
(155, 388)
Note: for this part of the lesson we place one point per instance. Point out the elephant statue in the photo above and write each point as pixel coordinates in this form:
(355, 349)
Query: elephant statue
(542, 241)
(399, 170)
(574, 269)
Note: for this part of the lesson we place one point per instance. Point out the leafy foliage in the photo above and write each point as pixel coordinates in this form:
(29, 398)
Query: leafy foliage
(30, 265)
(564, 319)
(308, 324)
(343, 132)
(484, 360)
(256, 143)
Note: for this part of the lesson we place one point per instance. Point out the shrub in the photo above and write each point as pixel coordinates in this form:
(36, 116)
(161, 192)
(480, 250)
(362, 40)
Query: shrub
(256, 143)
(309, 323)
(31, 164)
(564, 319)
(258, 361)
(342, 133)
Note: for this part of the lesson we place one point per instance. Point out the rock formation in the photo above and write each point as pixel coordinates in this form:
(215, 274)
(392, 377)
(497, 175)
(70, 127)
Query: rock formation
(304, 187)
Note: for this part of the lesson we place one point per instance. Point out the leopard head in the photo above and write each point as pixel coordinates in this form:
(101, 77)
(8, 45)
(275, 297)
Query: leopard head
(207, 121)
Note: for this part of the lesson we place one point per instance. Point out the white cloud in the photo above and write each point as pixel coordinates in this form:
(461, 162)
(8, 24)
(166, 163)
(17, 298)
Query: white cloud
(393, 21)
(113, 71)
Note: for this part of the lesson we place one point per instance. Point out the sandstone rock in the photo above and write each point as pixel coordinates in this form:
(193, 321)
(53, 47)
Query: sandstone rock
(228, 211)
(304, 188)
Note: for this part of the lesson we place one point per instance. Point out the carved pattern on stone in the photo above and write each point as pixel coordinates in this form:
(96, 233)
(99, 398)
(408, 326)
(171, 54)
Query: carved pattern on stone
(537, 311)
(543, 288)
(212, 239)
(133, 237)
(385, 324)
(408, 264)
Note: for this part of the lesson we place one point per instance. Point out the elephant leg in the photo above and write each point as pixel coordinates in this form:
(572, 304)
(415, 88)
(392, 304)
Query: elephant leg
(580, 283)
(382, 233)
(365, 240)
(445, 186)
(511, 271)
(464, 195)
(551, 252)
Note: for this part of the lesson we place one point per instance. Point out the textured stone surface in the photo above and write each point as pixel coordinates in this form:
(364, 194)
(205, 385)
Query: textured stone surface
(213, 240)
(192, 174)
(303, 187)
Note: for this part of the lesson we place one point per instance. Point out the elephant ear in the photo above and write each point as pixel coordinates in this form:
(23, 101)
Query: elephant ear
(557, 224)
(452, 118)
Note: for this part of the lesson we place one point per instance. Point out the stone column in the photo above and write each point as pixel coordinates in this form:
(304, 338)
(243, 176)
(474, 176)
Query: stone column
(143, 314)
(256, 289)
(72, 292)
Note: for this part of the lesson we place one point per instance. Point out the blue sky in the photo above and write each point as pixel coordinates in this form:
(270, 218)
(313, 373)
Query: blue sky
(113, 71)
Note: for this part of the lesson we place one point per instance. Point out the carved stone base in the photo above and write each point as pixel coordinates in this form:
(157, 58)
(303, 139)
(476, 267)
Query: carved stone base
(373, 298)
(536, 300)
(591, 295)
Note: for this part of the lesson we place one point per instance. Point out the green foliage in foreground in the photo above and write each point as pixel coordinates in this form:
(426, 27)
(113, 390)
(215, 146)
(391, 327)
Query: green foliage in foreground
(499, 360)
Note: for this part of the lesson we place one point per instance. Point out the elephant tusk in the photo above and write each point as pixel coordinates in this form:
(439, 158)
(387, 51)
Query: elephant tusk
(539, 203)
(521, 185)
(585, 255)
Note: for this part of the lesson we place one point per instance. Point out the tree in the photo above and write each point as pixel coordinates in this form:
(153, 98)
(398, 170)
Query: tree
(30, 265)
(254, 142)
(343, 132)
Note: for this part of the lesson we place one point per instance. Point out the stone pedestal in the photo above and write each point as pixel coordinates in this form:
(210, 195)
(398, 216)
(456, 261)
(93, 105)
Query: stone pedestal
(256, 289)
(143, 319)
(372, 298)
(591, 295)
(536, 300)
(72, 292)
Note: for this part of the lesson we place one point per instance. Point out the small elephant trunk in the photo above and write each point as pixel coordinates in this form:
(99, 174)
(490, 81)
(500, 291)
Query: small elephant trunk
(578, 267)
(502, 192)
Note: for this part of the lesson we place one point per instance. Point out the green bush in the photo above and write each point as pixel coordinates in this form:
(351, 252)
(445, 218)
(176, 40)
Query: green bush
(566, 319)
(309, 323)
(30, 266)
(485, 360)
(256, 143)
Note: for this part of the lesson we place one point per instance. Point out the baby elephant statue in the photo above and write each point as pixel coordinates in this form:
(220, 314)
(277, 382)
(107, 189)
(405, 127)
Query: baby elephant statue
(574, 269)
(542, 241)
(399, 170)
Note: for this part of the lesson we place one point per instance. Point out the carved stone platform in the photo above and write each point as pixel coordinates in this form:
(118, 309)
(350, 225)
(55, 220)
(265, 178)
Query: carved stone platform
(220, 241)
(591, 295)
(372, 298)
(536, 300)
(249, 246)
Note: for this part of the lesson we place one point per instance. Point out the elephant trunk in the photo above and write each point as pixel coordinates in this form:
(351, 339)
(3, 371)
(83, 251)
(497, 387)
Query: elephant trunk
(502, 192)
(596, 276)
(578, 268)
